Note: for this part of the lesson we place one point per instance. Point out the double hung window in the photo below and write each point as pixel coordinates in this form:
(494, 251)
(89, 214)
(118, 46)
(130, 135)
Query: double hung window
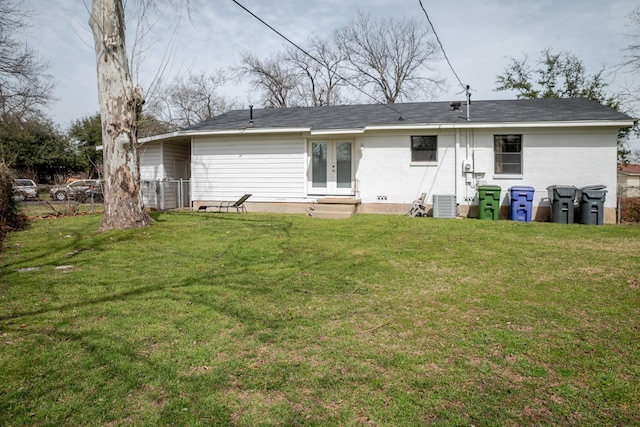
(507, 151)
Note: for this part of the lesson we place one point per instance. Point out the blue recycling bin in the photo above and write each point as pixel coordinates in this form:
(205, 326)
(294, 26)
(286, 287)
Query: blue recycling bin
(521, 203)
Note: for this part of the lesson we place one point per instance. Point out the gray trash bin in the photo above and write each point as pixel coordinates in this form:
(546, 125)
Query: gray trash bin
(561, 198)
(592, 200)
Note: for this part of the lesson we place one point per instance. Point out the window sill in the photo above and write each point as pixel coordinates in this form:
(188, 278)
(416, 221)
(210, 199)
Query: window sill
(506, 176)
(423, 164)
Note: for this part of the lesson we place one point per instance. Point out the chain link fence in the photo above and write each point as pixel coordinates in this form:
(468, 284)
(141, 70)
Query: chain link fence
(169, 194)
(628, 204)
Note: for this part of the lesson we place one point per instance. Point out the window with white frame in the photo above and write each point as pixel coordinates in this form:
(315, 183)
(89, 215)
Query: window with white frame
(424, 148)
(507, 151)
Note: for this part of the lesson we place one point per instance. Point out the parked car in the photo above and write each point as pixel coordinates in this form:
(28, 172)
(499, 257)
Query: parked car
(92, 195)
(76, 189)
(24, 189)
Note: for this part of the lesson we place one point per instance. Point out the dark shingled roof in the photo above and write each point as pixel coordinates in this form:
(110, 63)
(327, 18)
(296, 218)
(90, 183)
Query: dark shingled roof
(360, 116)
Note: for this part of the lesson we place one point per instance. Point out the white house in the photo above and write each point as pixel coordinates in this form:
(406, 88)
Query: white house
(380, 158)
(629, 179)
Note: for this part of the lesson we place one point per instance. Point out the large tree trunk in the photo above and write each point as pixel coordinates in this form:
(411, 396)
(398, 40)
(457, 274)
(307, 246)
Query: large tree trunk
(120, 104)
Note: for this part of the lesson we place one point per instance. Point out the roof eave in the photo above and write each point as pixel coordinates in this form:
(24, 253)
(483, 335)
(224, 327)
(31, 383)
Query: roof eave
(502, 125)
(389, 127)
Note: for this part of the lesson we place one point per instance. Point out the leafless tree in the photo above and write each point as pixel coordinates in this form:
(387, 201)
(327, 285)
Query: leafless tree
(632, 58)
(319, 70)
(120, 107)
(191, 99)
(631, 63)
(24, 84)
(390, 57)
(121, 103)
(273, 77)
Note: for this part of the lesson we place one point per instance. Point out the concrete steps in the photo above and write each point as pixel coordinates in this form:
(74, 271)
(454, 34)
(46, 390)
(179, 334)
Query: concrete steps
(333, 208)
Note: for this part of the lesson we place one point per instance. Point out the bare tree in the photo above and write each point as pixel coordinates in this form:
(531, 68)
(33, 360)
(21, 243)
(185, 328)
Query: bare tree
(192, 99)
(24, 84)
(631, 94)
(388, 57)
(272, 76)
(120, 107)
(632, 58)
(319, 69)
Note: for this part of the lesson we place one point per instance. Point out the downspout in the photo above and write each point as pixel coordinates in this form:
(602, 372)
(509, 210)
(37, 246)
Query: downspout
(458, 168)
(469, 156)
(191, 183)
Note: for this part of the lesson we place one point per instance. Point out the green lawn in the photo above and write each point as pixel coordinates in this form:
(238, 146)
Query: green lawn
(264, 319)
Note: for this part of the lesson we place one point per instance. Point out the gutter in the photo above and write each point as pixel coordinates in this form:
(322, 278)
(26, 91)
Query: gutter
(415, 126)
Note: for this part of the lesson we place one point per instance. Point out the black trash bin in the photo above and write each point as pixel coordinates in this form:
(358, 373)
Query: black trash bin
(592, 200)
(561, 198)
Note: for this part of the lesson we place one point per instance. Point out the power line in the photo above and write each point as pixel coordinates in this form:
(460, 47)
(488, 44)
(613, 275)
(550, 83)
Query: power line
(464, 87)
(358, 88)
(303, 50)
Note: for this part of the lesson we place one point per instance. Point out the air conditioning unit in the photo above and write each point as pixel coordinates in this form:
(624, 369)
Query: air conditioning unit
(444, 206)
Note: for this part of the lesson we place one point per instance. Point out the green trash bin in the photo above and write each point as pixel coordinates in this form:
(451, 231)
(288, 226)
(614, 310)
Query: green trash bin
(489, 202)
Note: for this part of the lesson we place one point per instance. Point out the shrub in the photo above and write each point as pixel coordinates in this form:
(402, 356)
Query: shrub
(630, 209)
(10, 217)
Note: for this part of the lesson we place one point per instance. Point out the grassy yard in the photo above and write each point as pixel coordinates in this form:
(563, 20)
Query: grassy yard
(261, 320)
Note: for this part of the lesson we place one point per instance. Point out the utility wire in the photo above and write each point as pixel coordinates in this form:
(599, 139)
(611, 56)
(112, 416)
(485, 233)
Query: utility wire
(303, 50)
(318, 61)
(464, 87)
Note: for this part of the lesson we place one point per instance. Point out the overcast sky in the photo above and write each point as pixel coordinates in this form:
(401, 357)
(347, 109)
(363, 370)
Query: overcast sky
(478, 37)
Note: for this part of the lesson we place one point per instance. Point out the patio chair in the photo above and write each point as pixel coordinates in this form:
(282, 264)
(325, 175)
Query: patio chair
(238, 205)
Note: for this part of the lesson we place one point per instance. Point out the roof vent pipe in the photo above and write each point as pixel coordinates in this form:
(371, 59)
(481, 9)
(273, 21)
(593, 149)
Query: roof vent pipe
(468, 93)
(251, 115)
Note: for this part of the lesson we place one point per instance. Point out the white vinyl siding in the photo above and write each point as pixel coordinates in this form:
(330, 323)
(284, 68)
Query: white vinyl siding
(151, 167)
(269, 168)
(175, 152)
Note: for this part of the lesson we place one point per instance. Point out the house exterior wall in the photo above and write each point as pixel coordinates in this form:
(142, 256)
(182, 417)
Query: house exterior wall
(626, 180)
(274, 167)
(159, 169)
(574, 156)
(630, 184)
(173, 153)
(386, 175)
(151, 163)
(271, 168)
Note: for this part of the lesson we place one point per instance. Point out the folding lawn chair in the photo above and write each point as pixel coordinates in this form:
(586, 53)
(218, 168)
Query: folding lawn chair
(238, 205)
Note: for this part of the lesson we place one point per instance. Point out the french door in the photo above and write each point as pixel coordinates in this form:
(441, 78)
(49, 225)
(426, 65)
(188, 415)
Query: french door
(331, 168)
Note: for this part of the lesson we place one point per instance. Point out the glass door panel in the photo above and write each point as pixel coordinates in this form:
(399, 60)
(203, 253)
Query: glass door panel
(331, 168)
(319, 164)
(343, 165)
